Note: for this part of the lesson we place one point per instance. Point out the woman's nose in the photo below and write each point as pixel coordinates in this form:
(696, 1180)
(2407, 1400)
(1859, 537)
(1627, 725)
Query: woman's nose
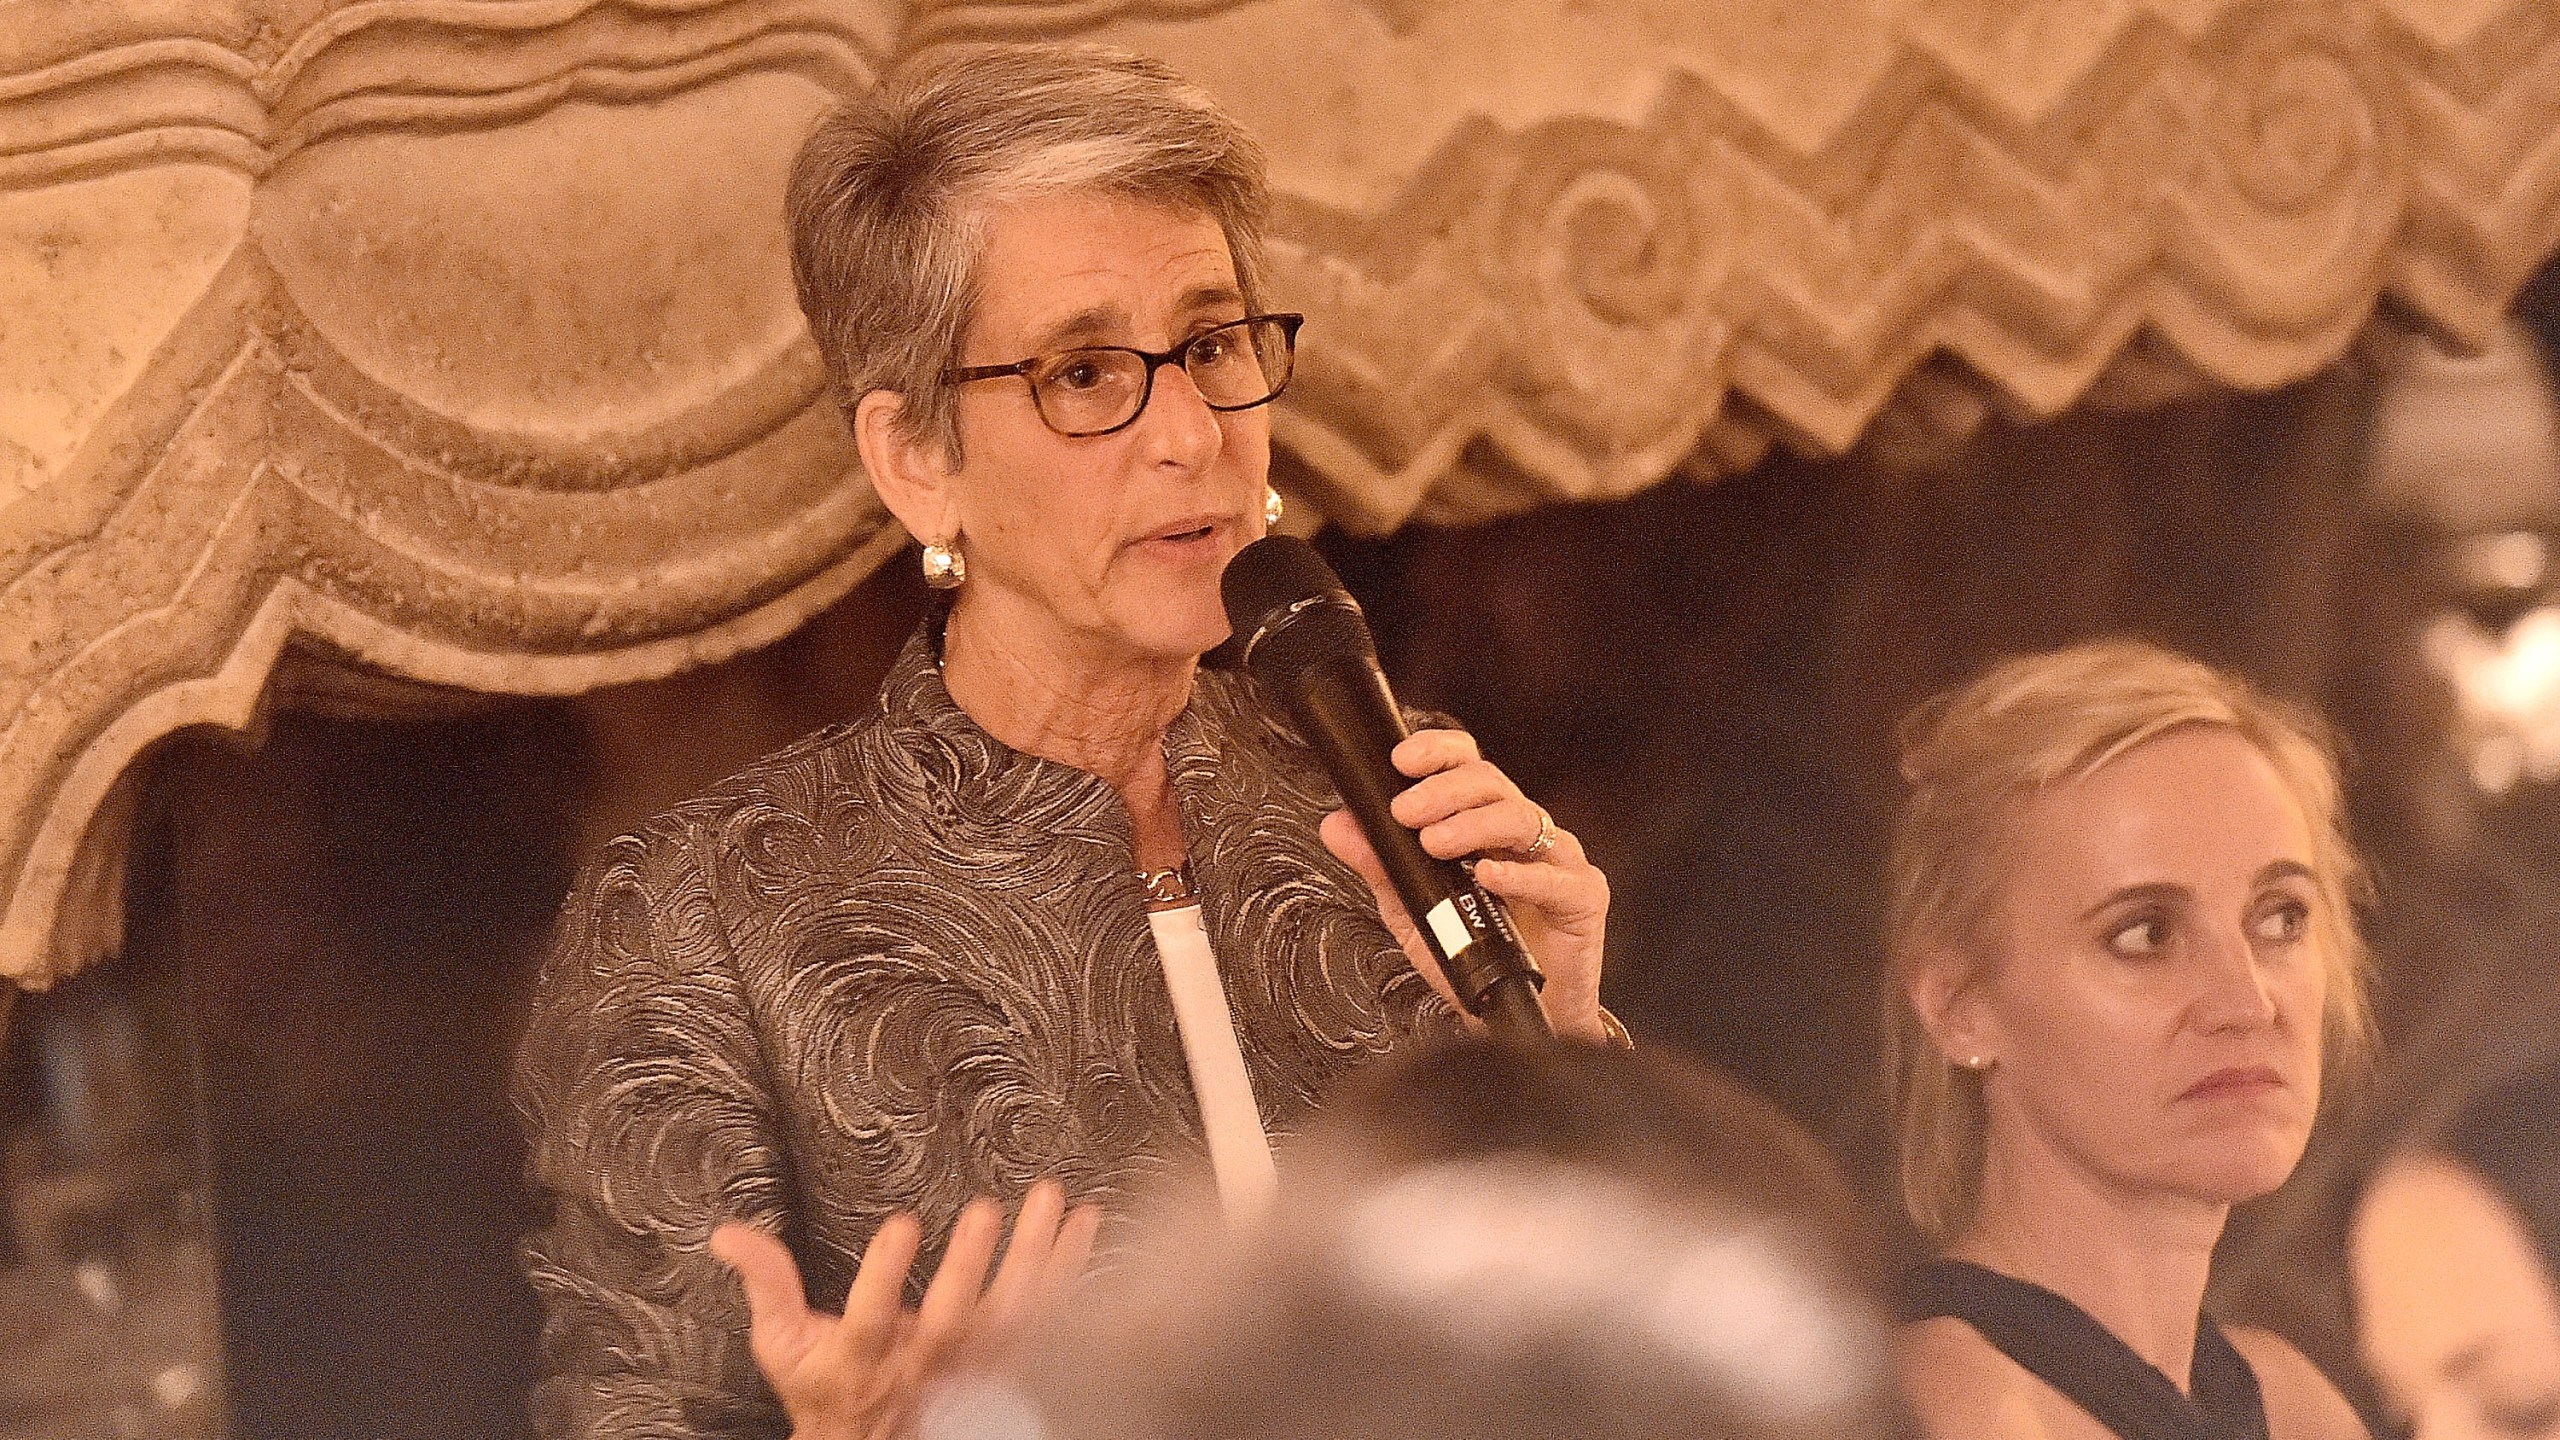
(2237, 993)
(1178, 427)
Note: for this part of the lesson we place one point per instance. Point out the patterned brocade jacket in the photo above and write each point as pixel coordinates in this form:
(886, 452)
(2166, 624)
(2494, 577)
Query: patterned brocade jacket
(893, 966)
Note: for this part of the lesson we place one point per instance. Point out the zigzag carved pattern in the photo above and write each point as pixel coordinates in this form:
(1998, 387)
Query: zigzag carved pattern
(1572, 306)
(1791, 303)
(1602, 298)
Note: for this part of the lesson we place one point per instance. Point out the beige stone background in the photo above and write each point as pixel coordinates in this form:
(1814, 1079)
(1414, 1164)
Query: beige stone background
(400, 358)
(455, 335)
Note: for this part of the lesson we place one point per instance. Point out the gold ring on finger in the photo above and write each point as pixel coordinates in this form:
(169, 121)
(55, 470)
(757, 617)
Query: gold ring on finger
(1544, 843)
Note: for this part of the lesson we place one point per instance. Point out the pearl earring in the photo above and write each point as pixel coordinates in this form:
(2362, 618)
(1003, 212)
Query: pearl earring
(944, 566)
(1272, 505)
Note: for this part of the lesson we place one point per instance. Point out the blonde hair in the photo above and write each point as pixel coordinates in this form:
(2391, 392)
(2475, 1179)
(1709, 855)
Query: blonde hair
(889, 198)
(1969, 755)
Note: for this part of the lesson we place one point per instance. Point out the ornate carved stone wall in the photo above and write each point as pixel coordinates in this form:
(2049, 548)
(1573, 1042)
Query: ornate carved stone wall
(455, 336)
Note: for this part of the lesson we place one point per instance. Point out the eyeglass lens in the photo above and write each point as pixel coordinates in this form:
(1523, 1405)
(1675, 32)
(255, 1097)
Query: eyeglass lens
(1234, 367)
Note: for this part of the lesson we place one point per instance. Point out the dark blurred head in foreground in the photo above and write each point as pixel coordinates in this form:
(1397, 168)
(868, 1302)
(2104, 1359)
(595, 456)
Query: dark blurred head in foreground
(2456, 1251)
(1485, 1241)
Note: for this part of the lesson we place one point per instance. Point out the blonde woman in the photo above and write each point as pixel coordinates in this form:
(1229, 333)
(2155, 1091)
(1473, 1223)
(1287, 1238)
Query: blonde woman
(2123, 951)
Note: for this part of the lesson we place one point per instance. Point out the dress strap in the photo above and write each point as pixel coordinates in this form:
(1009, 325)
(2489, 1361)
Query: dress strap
(2065, 1347)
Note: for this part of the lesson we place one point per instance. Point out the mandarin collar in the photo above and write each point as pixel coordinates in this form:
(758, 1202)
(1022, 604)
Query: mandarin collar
(917, 704)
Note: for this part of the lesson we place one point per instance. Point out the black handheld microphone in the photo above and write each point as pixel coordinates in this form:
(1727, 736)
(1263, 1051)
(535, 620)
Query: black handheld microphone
(1303, 637)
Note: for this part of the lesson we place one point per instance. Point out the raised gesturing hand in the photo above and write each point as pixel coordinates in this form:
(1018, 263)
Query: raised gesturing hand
(861, 1375)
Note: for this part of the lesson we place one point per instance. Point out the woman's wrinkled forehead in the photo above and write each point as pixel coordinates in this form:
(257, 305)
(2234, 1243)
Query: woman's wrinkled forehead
(1094, 267)
(983, 218)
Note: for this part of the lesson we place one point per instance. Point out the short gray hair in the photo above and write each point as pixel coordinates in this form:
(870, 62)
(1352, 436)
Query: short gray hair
(888, 199)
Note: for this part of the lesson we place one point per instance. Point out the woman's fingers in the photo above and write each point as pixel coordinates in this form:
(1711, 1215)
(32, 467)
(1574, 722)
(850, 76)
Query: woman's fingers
(1500, 828)
(1569, 897)
(1561, 905)
(1460, 806)
(1026, 1259)
(779, 1320)
(1427, 752)
(1463, 804)
(1341, 835)
(953, 1296)
(874, 1307)
(1453, 783)
(863, 1372)
(1443, 793)
(803, 1351)
(1074, 1250)
(765, 1271)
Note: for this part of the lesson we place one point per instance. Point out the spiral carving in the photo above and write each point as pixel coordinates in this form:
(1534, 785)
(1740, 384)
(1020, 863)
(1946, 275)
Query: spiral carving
(1605, 236)
(2302, 180)
(455, 333)
(2296, 130)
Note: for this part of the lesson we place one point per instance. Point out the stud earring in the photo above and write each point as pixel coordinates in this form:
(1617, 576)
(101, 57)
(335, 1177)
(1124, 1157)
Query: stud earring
(1976, 1063)
(1273, 507)
(944, 566)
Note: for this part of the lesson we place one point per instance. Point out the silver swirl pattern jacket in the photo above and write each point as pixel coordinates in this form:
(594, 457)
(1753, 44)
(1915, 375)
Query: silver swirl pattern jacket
(893, 966)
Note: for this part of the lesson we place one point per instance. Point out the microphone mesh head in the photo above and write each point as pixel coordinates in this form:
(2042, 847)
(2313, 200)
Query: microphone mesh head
(1287, 606)
(1270, 575)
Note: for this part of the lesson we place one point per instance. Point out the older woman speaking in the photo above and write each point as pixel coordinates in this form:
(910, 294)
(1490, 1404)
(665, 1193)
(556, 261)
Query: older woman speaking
(2122, 948)
(1066, 905)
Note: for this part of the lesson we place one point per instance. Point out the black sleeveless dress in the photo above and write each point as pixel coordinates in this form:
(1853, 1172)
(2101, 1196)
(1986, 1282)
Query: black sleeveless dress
(2058, 1343)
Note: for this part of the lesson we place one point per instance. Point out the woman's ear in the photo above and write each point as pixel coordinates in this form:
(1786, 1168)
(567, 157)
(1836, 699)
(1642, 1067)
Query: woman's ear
(911, 474)
(1941, 985)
